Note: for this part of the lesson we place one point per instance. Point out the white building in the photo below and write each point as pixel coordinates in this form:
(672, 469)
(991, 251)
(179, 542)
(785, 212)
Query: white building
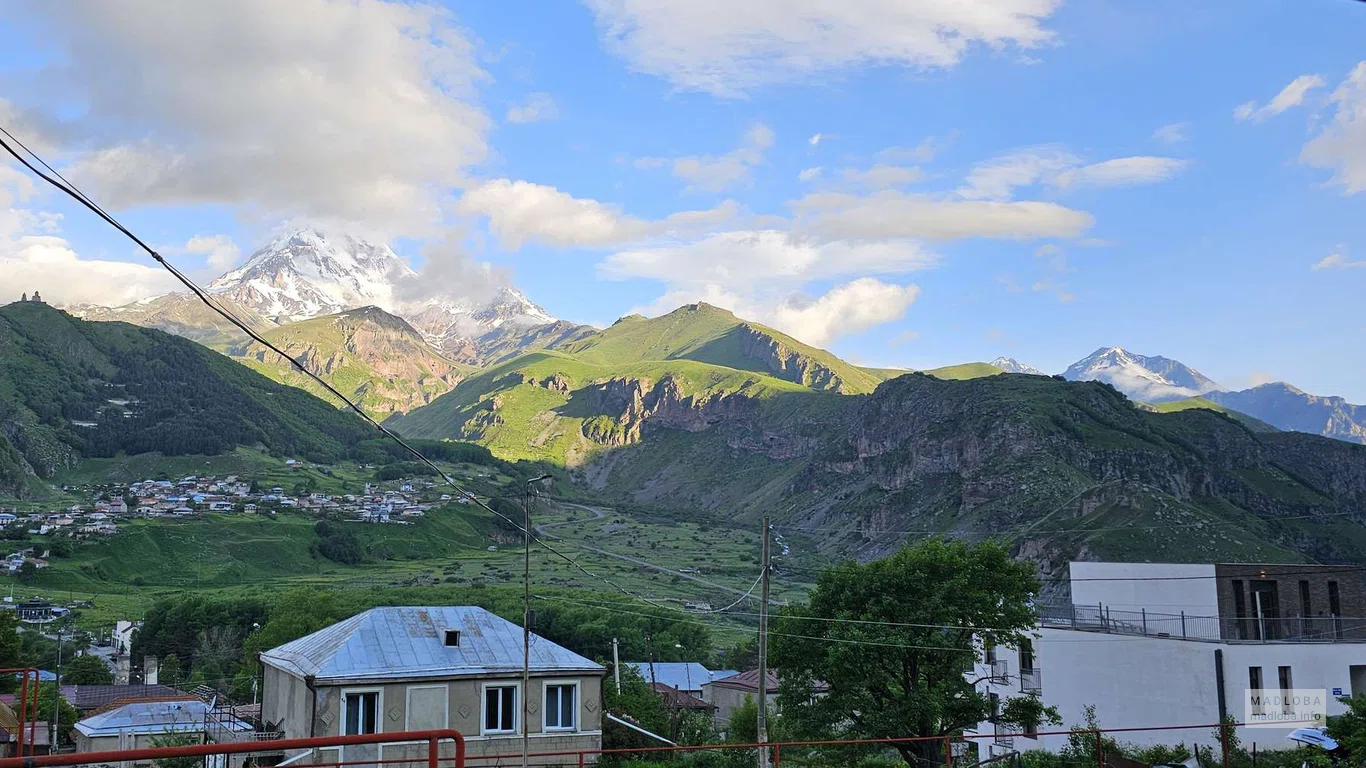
(1154, 645)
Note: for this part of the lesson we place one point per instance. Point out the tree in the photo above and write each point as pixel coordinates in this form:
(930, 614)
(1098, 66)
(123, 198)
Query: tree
(1349, 728)
(892, 638)
(86, 670)
(52, 705)
(177, 740)
(28, 572)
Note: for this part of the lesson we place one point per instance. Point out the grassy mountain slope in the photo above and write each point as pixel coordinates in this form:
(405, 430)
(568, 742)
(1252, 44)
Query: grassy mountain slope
(373, 357)
(712, 335)
(1203, 402)
(181, 314)
(551, 405)
(70, 388)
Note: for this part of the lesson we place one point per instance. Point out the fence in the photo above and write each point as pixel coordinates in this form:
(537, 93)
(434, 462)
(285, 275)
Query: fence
(212, 754)
(1101, 618)
(1211, 746)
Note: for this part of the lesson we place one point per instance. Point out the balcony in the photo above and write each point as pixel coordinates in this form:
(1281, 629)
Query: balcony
(1298, 629)
(1031, 681)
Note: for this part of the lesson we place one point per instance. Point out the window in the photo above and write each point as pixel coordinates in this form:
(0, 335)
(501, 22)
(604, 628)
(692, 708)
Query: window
(1254, 683)
(1305, 608)
(360, 712)
(994, 701)
(1243, 631)
(1334, 599)
(500, 709)
(452, 638)
(561, 706)
(989, 653)
(1284, 674)
(1026, 655)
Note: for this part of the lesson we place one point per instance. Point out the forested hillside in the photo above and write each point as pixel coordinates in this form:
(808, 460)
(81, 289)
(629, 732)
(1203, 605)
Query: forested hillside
(72, 389)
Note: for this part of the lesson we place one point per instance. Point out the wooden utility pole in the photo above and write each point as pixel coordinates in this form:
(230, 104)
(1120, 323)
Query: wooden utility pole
(526, 626)
(763, 646)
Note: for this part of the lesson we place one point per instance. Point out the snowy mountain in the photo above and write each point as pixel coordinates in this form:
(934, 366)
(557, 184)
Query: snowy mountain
(1144, 378)
(1011, 365)
(304, 275)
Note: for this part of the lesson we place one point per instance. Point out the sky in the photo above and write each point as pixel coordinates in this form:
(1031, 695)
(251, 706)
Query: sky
(905, 184)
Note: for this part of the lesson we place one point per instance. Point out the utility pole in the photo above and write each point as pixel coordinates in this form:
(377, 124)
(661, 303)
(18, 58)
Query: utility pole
(763, 647)
(527, 617)
(616, 665)
(57, 702)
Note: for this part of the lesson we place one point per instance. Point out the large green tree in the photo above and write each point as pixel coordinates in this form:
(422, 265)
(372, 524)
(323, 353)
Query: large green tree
(891, 640)
(86, 670)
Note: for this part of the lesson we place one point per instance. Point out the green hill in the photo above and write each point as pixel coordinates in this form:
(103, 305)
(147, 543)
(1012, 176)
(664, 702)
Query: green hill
(72, 389)
(373, 357)
(1209, 405)
(713, 335)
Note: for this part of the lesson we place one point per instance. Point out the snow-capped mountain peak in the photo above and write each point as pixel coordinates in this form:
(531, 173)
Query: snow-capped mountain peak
(1141, 377)
(1011, 365)
(305, 274)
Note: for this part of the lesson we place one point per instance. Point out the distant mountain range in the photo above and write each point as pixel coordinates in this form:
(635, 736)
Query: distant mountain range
(1177, 386)
(307, 291)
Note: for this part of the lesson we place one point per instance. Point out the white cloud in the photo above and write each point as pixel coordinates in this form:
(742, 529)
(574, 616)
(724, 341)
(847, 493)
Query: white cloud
(1338, 260)
(219, 251)
(847, 309)
(814, 140)
(996, 179)
(1122, 172)
(729, 48)
(923, 152)
(521, 211)
(892, 214)
(1051, 164)
(715, 173)
(34, 257)
(1341, 145)
(881, 176)
(1172, 133)
(361, 111)
(1292, 95)
(751, 259)
(537, 107)
(810, 174)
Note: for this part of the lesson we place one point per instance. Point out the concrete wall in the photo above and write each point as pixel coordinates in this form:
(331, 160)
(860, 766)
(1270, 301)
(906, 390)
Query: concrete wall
(1194, 592)
(411, 706)
(126, 741)
(727, 700)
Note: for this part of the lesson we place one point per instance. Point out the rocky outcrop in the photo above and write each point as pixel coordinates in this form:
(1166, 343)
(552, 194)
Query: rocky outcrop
(622, 407)
(786, 363)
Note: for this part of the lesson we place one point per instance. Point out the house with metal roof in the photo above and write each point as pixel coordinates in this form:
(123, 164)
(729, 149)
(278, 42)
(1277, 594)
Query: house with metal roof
(687, 676)
(395, 669)
(138, 724)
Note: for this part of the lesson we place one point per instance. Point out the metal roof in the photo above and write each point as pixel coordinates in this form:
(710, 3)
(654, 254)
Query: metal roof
(409, 642)
(683, 675)
(152, 717)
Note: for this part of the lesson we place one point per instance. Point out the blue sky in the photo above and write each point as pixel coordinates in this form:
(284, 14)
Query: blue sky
(1009, 177)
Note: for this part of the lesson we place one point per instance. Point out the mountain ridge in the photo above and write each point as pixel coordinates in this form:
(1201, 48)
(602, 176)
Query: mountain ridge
(1142, 377)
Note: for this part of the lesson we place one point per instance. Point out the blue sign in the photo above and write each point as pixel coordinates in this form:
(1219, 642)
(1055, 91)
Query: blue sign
(1337, 691)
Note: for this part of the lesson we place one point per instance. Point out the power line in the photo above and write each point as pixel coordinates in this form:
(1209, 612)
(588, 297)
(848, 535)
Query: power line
(76, 194)
(798, 530)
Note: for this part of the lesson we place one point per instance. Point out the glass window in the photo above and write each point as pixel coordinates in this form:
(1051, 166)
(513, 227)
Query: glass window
(500, 709)
(1283, 675)
(560, 706)
(1254, 682)
(361, 712)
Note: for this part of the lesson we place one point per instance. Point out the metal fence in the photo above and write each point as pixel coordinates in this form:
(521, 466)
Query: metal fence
(1102, 618)
(1208, 746)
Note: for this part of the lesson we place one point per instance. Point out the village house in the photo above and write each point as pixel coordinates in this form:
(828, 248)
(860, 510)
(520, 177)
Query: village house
(395, 669)
(140, 724)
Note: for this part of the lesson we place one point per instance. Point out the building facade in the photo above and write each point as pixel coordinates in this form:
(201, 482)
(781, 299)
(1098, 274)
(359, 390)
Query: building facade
(1160, 645)
(396, 669)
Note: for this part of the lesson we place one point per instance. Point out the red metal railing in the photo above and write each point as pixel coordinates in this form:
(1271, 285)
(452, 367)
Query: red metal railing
(21, 711)
(589, 756)
(432, 738)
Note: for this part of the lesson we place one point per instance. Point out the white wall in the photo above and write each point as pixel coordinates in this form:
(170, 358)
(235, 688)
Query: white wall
(1133, 682)
(1323, 665)
(1192, 591)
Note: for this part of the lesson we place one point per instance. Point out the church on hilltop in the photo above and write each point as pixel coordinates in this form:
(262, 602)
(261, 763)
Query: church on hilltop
(36, 297)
